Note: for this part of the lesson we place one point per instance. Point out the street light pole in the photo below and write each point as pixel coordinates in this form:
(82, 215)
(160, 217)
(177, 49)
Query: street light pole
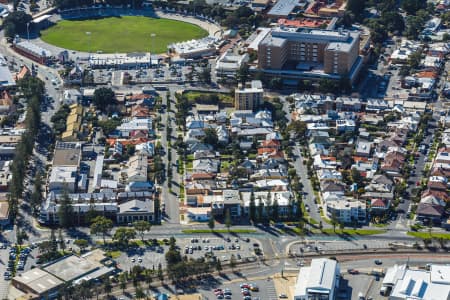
(152, 37)
(152, 40)
(28, 31)
(88, 33)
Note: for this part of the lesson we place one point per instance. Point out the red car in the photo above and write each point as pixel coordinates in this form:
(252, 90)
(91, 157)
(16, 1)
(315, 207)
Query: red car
(353, 271)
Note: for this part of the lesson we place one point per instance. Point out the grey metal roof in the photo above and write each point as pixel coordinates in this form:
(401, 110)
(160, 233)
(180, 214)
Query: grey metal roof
(283, 7)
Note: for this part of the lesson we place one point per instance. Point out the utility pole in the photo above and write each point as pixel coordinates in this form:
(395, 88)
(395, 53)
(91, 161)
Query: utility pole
(88, 33)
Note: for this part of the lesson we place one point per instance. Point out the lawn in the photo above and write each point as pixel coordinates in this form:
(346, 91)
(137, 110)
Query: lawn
(114, 254)
(193, 231)
(224, 99)
(426, 235)
(353, 231)
(121, 34)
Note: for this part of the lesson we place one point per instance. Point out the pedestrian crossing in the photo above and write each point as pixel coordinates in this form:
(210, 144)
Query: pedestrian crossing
(271, 293)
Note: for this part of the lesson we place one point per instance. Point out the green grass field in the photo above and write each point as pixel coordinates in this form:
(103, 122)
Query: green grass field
(120, 34)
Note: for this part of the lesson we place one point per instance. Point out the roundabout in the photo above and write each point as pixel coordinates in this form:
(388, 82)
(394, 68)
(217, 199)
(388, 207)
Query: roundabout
(124, 34)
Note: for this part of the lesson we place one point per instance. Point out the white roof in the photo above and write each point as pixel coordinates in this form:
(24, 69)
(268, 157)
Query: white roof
(423, 284)
(261, 35)
(35, 49)
(440, 274)
(41, 18)
(63, 174)
(320, 276)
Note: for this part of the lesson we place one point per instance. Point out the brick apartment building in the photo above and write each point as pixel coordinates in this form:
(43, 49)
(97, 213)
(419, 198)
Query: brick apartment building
(313, 53)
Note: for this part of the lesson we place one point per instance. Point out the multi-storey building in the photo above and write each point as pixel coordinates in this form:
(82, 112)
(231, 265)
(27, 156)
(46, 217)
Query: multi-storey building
(310, 53)
(249, 98)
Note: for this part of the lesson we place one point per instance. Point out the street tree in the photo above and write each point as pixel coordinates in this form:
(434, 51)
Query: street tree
(65, 210)
(103, 97)
(62, 244)
(53, 242)
(334, 221)
(21, 236)
(123, 281)
(101, 225)
(82, 244)
(16, 23)
(141, 227)
(260, 210)
(252, 207)
(160, 273)
(218, 265)
(232, 261)
(210, 137)
(205, 75)
(211, 222)
(107, 286)
(275, 207)
(228, 222)
(243, 73)
(124, 235)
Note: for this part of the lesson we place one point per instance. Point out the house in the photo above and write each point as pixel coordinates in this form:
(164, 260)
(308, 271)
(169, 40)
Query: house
(206, 165)
(140, 99)
(147, 148)
(137, 168)
(75, 75)
(332, 187)
(345, 125)
(379, 183)
(430, 209)
(197, 146)
(376, 105)
(6, 103)
(327, 174)
(443, 195)
(324, 162)
(71, 96)
(393, 163)
(363, 148)
(379, 206)
(320, 137)
(4, 210)
(437, 183)
(135, 124)
(140, 111)
(136, 210)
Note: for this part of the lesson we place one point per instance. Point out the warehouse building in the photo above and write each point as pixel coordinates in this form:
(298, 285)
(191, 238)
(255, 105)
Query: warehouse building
(33, 52)
(44, 283)
(318, 281)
